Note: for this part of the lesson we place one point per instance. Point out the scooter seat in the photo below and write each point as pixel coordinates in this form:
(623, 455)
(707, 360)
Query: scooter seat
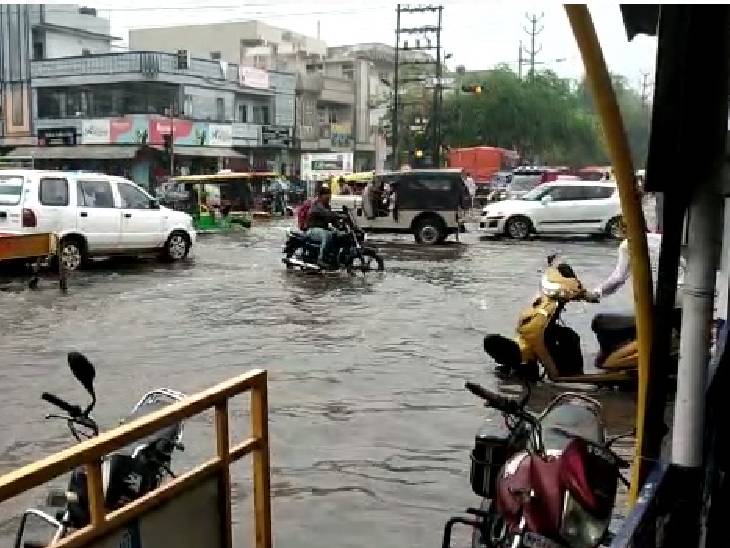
(613, 323)
(613, 330)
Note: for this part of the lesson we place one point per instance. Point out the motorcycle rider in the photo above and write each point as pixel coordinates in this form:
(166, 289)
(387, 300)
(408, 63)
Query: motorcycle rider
(318, 223)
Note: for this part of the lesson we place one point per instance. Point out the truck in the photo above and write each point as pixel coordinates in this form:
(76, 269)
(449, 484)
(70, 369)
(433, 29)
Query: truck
(483, 163)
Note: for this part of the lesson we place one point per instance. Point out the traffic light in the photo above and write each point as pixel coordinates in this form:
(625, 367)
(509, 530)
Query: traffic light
(471, 88)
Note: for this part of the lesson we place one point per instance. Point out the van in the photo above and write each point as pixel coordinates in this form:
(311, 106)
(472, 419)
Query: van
(428, 203)
(92, 214)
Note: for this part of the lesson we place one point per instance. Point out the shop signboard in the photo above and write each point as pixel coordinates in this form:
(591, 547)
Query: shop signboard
(130, 130)
(185, 132)
(321, 166)
(251, 77)
(220, 135)
(96, 131)
(57, 136)
(276, 136)
(341, 135)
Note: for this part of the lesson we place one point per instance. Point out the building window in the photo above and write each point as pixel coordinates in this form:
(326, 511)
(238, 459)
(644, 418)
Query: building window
(261, 114)
(50, 102)
(85, 52)
(37, 45)
(220, 109)
(17, 104)
(243, 113)
(348, 71)
(215, 55)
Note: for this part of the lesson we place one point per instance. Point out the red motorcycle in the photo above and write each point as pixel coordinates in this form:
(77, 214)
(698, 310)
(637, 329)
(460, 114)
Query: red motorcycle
(547, 480)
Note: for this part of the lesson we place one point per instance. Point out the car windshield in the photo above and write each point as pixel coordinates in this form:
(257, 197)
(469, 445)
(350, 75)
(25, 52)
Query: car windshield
(536, 194)
(11, 189)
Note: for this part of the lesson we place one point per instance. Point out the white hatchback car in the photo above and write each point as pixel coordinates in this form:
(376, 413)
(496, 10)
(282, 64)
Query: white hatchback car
(568, 207)
(93, 215)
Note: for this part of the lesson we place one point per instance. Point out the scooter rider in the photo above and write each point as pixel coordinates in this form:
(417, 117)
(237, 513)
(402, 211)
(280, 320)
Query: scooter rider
(318, 222)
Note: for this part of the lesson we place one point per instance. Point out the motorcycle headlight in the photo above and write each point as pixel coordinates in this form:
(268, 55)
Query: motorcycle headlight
(580, 529)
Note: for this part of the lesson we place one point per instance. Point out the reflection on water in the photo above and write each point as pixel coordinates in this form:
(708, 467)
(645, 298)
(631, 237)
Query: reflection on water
(370, 424)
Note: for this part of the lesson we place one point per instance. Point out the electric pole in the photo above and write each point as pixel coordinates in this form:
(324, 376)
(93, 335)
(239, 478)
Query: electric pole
(411, 46)
(645, 88)
(533, 31)
(520, 61)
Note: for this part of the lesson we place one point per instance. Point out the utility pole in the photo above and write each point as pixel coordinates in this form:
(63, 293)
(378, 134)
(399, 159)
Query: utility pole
(394, 91)
(520, 61)
(432, 82)
(533, 31)
(645, 88)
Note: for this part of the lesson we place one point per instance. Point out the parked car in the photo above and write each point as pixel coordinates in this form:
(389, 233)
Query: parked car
(93, 215)
(428, 203)
(574, 207)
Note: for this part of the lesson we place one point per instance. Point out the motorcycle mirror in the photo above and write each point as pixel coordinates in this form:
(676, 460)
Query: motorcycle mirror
(83, 370)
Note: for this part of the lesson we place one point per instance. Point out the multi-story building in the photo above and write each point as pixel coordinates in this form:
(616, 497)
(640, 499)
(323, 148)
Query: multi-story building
(31, 32)
(332, 100)
(126, 112)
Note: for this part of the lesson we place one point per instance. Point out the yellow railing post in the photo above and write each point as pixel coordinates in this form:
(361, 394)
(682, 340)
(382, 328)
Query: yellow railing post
(261, 483)
(222, 438)
(95, 492)
(604, 97)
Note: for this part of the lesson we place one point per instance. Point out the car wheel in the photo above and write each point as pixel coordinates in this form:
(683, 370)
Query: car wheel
(72, 254)
(518, 227)
(429, 231)
(614, 228)
(177, 246)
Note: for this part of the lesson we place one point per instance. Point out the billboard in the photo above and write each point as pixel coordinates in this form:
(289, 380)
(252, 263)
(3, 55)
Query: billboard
(321, 166)
(251, 77)
(96, 131)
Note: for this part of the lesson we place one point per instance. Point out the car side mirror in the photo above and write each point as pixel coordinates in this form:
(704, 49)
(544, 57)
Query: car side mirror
(546, 199)
(83, 370)
(154, 204)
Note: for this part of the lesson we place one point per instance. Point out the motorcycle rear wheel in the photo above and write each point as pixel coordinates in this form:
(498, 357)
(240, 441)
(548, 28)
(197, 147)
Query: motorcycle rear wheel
(368, 262)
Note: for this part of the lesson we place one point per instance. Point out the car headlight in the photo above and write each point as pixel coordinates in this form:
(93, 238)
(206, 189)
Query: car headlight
(580, 529)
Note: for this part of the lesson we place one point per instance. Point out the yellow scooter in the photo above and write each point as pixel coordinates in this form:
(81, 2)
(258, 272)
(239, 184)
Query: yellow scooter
(543, 342)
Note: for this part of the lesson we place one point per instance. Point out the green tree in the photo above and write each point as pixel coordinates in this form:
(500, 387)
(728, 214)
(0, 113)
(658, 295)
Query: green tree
(547, 119)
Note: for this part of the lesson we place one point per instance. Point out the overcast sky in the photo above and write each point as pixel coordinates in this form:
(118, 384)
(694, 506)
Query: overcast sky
(479, 33)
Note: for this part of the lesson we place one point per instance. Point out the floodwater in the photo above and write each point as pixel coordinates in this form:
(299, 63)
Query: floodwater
(370, 425)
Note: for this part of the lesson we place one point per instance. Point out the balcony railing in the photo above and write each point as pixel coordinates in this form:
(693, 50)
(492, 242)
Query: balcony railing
(144, 62)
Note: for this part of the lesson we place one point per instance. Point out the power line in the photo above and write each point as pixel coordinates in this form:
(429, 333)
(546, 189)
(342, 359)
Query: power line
(533, 31)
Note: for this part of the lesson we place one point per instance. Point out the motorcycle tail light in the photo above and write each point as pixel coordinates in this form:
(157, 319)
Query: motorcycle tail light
(579, 528)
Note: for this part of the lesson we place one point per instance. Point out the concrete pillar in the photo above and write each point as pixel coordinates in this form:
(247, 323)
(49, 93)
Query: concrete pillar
(697, 307)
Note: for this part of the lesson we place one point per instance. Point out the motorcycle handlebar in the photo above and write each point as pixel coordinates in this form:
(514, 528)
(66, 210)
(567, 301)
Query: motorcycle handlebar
(72, 410)
(502, 403)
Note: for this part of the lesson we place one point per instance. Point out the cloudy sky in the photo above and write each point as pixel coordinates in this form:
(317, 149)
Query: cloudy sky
(479, 33)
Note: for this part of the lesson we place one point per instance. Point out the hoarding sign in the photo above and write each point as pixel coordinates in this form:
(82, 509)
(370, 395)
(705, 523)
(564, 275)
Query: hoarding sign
(57, 136)
(220, 135)
(321, 166)
(96, 132)
(251, 77)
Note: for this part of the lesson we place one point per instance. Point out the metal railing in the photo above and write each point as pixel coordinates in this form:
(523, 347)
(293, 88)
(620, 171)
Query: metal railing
(89, 454)
(146, 62)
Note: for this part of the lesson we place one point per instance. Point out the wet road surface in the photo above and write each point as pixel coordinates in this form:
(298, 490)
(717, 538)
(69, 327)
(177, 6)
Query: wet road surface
(370, 425)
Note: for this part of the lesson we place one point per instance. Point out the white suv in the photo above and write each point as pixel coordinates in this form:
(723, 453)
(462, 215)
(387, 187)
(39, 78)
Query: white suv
(568, 207)
(92, 214)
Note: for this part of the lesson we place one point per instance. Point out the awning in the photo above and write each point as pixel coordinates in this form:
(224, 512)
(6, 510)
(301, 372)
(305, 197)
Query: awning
(75, 152)
(208, 152)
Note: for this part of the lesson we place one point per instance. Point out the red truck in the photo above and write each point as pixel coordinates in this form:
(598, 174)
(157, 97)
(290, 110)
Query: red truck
(482, 163)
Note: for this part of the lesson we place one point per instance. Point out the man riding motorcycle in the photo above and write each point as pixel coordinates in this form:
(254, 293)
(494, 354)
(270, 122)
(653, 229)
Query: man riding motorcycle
(319, 220)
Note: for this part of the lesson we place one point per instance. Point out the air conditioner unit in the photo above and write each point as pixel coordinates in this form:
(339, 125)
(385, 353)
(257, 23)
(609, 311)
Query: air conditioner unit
(183, 59)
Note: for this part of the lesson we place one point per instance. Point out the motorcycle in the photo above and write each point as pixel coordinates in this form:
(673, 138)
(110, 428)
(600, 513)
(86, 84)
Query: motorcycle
(351, 253)
(547, 480)
(128, 473)
(544, 343)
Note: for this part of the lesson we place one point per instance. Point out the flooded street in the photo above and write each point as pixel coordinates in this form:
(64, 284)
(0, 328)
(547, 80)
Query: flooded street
(370, 425)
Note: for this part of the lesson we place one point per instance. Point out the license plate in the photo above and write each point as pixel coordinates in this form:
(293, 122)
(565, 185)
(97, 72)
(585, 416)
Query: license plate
(533, 540)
